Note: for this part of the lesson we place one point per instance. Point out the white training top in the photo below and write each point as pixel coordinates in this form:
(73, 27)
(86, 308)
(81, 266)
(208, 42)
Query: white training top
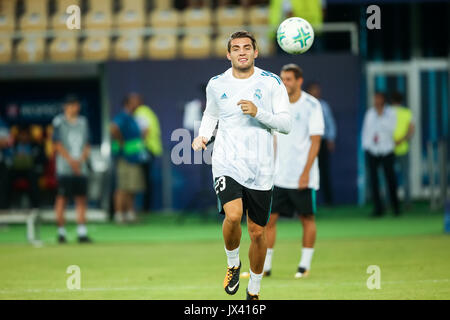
(243, 149)
(378, 131)
(292, 149)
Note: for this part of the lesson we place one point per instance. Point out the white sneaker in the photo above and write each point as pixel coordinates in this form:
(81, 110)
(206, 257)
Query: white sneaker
(131, 216)
(118, 218)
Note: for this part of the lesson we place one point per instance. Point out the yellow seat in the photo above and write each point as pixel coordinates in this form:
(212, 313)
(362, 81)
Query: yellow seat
(219, 45)
(63, 49)
(162, 4)
(7, 15)
(31, 49)
(196, 17)
(164, 18)
(35, 16)
(196, 46)
(99, 15)
(96, 48)
(258, 15)
(229, 16)
(5, 50)
(132, 14)
(128, 48)
(162, 46)
(59, 18)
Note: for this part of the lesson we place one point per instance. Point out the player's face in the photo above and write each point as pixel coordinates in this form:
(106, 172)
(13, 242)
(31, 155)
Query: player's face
(72, 109)
(290, 82)
(379, 101)
(242, 54)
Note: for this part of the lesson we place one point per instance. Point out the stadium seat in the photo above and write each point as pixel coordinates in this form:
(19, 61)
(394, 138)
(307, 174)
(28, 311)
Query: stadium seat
(229, 18)
(162, 4)
(35, 17)
(258, 15)
(63, 49)
(7, 15)
(196, 17)
(220, 45)
(31, 49)
(196, 46)
(99, 15)
(95, 48)
(5, 50)
(59, 18)
(132, 14)
(164, 18)
(162, 46)
(128, 48)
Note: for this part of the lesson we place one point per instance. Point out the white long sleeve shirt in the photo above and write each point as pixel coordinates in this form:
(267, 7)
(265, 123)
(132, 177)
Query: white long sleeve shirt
(378, 131)
(243, 149)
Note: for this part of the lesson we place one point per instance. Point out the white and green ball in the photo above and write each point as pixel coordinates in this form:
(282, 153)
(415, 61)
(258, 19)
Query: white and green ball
(295, 35)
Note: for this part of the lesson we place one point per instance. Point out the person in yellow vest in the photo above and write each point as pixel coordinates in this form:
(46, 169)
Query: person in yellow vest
(149, 124)
(402, 135)
(310, 10)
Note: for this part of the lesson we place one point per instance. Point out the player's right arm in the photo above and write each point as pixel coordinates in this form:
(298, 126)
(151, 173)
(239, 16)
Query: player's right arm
(209, 121)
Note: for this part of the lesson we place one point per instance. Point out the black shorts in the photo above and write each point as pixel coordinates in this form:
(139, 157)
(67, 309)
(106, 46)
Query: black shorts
(258, 203)
(286, 202)
(72, 186)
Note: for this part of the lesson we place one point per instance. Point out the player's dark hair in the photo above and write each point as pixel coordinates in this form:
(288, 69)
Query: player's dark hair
(381, 94)
(298, 72)
(396, 97)
(241, 34)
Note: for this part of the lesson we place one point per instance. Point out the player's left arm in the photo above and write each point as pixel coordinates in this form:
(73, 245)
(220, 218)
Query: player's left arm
(312, 154)
(280, 118)
(316, 130)
(87, 147)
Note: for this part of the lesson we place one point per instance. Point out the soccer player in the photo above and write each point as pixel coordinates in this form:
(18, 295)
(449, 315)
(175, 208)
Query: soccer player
(71, 138)
(248, 103)
(297, 171)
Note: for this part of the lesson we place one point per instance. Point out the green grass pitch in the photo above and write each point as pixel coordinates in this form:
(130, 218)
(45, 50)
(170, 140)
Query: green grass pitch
(164, 259)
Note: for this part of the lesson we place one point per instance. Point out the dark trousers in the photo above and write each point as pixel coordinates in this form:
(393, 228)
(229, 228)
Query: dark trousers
(325, 174)
(387, 163)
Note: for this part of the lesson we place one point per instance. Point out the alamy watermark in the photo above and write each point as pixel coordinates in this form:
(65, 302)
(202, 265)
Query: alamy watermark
(74, 280)
(374, 280)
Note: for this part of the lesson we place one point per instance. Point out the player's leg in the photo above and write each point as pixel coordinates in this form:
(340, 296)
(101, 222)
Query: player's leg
(305, 202)
(60, 205)
(231, 227)
(259, 204)
(256, 255)
(80, 197)
(271, 234)
(309, 239)
(229, 194)
(281, 205)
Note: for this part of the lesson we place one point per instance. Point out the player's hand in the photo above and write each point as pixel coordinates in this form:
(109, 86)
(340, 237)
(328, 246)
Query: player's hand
(75, 165)
(248, 107)
(331, 146)
(304, 181)
(199, 143)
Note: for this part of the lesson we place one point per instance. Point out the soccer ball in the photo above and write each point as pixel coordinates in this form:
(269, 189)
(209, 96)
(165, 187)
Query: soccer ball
(295, 35)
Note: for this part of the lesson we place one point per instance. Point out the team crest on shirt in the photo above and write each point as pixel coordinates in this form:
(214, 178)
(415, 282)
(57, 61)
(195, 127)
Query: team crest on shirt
(224, 96)
(258, 94)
